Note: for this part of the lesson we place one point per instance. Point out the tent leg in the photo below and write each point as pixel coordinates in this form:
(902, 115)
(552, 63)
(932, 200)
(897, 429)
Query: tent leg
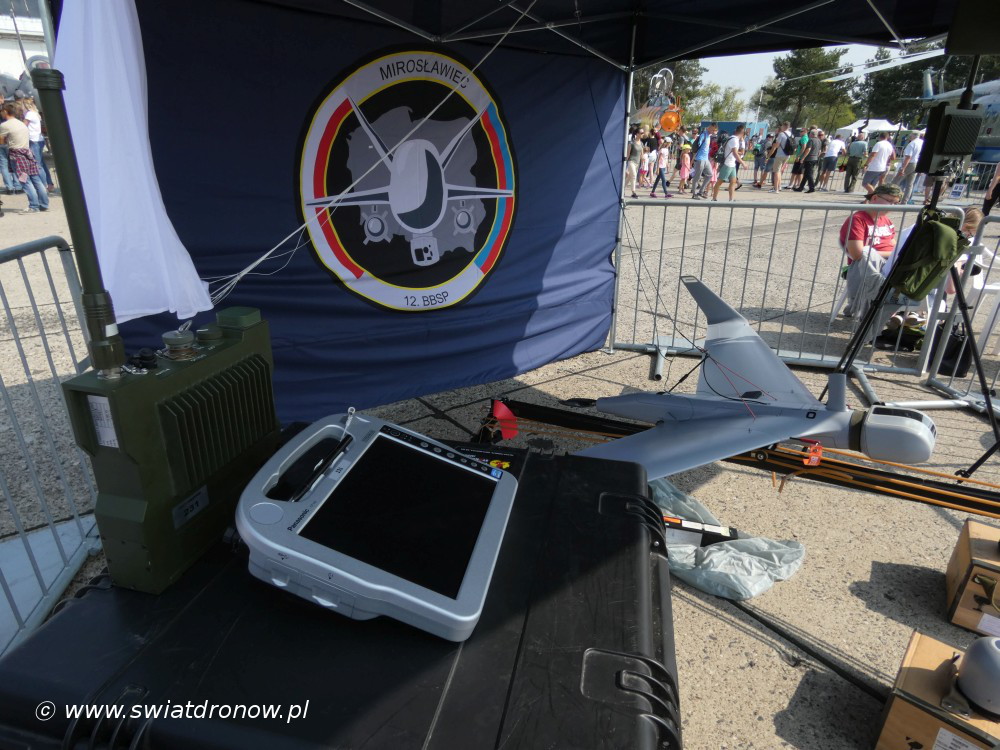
(630, 80)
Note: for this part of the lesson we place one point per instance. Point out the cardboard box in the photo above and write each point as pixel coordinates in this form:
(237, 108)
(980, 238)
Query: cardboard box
(973, 580)
(914, 719)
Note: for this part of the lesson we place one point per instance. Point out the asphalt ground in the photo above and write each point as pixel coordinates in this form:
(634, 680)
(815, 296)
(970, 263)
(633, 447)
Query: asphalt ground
(805, 665)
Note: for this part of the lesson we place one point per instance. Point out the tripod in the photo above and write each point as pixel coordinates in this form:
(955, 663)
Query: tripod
(963, 307)
(858, 339)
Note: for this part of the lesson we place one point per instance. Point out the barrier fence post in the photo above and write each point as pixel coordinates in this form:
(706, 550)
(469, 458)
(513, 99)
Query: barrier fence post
(45, 481)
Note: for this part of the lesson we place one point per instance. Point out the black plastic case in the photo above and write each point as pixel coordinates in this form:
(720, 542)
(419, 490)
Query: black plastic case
(574, 648)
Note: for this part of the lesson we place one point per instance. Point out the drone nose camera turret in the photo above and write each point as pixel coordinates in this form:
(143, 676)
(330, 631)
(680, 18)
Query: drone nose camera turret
(903, 436)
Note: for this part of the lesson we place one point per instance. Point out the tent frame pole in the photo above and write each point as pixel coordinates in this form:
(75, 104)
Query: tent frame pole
(684, 54)
(453, 35)
(900, 42)
(573, 40)
(538, 26)
(621, 199)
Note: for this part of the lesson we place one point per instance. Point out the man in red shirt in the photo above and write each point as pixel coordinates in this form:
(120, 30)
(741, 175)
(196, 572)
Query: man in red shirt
(869, 228)
(872, 226)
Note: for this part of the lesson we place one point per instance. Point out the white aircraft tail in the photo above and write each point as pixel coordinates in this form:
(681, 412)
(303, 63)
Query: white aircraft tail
(928, 84)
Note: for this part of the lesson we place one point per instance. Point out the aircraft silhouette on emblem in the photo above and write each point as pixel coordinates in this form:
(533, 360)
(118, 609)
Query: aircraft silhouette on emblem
(418, 192)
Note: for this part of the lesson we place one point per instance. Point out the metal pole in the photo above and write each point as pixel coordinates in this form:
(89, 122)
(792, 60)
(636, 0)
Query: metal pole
(621, 198)
(107, 350)
(48, 29)
(582, 45)
(900, 42)
(542, 26)
(448, 37)
(684, 54)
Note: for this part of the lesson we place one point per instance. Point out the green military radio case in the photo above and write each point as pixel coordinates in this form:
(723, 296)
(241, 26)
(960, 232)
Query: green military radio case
(173, 445)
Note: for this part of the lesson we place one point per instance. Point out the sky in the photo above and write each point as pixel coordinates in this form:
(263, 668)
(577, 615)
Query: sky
(749, 71)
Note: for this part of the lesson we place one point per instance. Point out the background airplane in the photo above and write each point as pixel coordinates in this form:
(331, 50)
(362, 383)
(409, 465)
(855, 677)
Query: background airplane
(662, 110)
(987, 96)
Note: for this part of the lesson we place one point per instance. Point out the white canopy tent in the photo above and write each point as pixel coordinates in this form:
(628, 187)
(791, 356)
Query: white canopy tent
(873, 126)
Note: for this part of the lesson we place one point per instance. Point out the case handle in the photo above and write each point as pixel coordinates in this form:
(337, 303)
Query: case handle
(989, 585)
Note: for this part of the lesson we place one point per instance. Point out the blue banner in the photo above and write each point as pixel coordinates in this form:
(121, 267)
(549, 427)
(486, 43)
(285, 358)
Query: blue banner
(456, 221)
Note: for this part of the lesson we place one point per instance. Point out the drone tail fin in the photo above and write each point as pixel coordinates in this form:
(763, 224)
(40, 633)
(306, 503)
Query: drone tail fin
(715, 309)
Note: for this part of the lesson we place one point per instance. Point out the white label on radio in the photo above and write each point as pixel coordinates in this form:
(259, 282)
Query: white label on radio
(104, 425)
(949, 741)
(989, 624)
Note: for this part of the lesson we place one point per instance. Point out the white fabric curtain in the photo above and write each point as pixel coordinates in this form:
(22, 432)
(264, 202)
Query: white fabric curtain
(145, 266)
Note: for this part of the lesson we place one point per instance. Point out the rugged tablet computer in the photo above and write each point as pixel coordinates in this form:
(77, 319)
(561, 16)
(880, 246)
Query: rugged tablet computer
(366, 518)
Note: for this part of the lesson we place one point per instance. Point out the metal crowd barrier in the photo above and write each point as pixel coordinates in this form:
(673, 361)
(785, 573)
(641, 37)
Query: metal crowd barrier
(47, 526)
(974, 181)
(780, 264)
(977, 178)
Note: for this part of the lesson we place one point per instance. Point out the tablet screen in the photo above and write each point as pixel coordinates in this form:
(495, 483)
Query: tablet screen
(408, 511)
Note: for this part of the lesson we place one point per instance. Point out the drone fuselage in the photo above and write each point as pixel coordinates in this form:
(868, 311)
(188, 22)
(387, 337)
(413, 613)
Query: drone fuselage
(884, 433)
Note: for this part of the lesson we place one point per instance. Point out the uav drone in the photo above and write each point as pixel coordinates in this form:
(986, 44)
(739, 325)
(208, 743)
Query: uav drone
(729, 414)
(418, 192)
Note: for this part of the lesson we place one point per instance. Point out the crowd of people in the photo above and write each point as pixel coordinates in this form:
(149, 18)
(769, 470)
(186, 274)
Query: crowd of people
(22, 166)
(804, 160)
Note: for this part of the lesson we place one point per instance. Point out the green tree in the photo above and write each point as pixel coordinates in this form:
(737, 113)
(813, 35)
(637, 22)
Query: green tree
(828, 115)
(891, 94)
(760, 103)
(715, 102)
(687, 80)
(797, 86)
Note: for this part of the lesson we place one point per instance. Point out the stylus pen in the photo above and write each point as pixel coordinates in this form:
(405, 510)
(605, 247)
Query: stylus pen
(321, 467)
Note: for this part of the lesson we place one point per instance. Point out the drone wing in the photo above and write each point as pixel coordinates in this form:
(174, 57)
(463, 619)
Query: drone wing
(672, 447)
(738, 361)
